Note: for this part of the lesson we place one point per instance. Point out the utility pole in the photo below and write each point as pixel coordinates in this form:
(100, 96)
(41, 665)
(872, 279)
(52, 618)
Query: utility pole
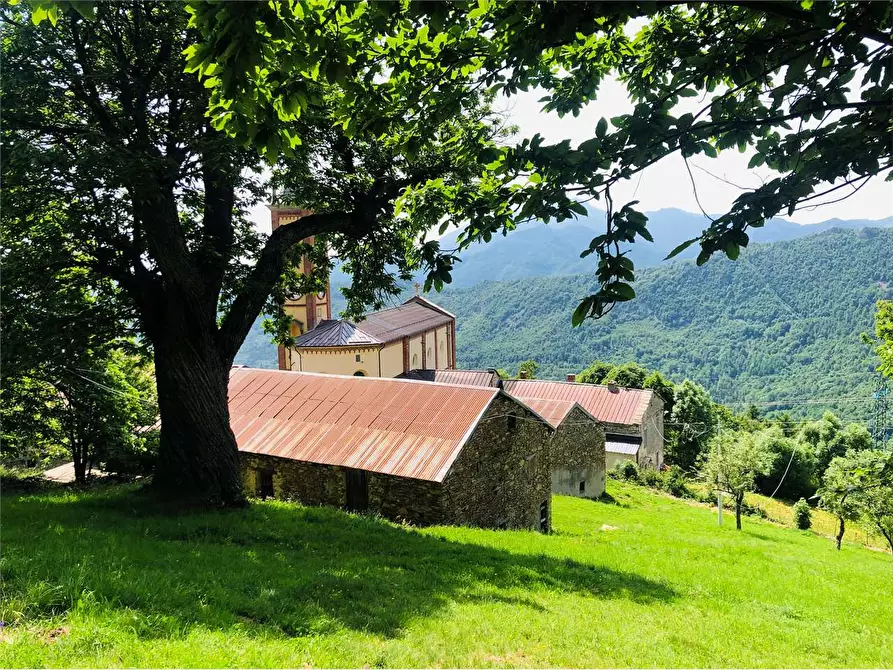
(881, 413)
(718, 491)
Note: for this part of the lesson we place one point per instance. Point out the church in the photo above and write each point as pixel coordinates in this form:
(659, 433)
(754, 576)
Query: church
(417, 335)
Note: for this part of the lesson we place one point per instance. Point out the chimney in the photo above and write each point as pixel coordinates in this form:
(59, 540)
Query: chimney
(522, 374)
(572, 378)
(612, 386)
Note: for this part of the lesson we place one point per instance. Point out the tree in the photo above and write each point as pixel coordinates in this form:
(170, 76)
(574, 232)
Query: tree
(527, 369)
(628, 375)
(759, 71)
(595, 373)
(693, 423)
(156, 195)
(793, 473)
(860, 485)
(883, 340)
(664, 389)
(828, 438)
(836, 493)
(733, 463)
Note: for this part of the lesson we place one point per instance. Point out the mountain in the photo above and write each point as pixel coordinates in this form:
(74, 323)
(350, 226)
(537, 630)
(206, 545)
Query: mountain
(781, 323)
(537, 249)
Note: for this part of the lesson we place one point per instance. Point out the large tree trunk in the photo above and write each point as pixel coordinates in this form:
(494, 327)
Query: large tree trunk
(198, 457)
(840, 531)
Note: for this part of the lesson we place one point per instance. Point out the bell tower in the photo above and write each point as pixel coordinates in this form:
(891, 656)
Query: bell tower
(308, 310)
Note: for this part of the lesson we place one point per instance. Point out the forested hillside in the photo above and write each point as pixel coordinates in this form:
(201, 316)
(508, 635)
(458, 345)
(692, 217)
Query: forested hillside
(782, 322)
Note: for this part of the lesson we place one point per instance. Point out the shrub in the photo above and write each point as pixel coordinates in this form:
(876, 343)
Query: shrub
(802, 514)
(651, 478)
(628, 470)
(674, 482)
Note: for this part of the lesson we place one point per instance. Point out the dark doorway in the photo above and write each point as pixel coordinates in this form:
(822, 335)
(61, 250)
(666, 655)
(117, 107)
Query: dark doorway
(265, 483)
(357, 490)
(544, 517)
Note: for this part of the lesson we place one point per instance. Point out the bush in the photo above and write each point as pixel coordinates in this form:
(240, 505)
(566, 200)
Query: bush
(674, 482)
(802, 514)
(628, 470)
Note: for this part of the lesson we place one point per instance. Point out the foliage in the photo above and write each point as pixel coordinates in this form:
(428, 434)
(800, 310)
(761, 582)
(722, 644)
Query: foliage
(883, 330)
(779, 327)
(595, 372)
(692, 423)
(802, 514)
(733, 463)
(527, 369)
(860, 485)
(794, 471)
(360, 591)
(839, 481)
(828, 438)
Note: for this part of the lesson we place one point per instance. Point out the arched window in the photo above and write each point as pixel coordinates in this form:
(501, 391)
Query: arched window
(359, 373)
(415, 361)
(430, 360)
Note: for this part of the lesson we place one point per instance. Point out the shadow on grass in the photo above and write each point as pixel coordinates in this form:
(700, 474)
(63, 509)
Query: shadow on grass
(273, 567)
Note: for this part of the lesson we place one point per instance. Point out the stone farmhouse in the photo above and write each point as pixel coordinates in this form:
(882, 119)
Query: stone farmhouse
(632, 418)
(415, 451)
(576, 450)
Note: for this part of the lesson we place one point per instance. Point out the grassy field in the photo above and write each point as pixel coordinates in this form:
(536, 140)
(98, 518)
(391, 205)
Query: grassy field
(97, 579)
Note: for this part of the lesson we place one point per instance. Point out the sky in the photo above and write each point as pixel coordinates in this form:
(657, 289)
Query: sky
(667, 183)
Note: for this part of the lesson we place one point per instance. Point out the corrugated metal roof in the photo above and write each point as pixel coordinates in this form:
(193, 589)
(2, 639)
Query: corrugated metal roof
(628, 448)
(415, 316)
(465, 377)
(617, 405)
(553, 411)
(393, 426)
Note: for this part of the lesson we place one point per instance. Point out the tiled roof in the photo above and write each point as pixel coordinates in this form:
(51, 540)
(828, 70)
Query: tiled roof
(466, 377)
(607, 404)
(415, 316)
(391, 426)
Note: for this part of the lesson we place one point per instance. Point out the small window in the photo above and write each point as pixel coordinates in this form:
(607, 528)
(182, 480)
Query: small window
(319, 313)
(583, 487)
(512, 422)
(359, 373)
(359, 358)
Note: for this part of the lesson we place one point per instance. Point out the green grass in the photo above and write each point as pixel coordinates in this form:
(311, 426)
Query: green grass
(100, 579)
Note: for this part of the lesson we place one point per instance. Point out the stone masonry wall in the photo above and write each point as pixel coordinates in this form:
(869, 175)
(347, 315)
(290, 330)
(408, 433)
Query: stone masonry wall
(398, 498)
(653, 434)
(415, 501)
(577, 454)
(309, 483)
(501, 477)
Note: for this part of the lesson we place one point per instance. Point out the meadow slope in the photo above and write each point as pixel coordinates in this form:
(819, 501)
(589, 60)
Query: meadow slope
(97, 579)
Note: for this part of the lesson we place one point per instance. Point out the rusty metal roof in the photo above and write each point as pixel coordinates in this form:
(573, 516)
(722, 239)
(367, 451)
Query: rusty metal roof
(413, 317)
(554, 411)
(392, 426)
(607, 404)
(464, 377)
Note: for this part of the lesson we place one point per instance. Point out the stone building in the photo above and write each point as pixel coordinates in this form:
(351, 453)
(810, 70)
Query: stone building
(422, 452)
(633, 419)
(576, 450)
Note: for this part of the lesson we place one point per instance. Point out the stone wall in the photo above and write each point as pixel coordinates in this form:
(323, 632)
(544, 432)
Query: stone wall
(652, 453)
(398, 498)
(309, 483)
(501, 477)
(577, 456)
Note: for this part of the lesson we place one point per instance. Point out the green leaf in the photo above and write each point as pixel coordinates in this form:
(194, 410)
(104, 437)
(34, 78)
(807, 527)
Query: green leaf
(535, 178)
(582, 311)
(756, 161)
(602, 128)
(679, 249)
(623, 291)
(688, 93)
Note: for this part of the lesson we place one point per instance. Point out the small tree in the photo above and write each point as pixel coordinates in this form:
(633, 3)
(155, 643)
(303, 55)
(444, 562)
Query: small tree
(835, 494)
(693, 421)
(733, 463)
(527, 369)
(871, 481)
(629, 375)
(802, 514)
(595, 372)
